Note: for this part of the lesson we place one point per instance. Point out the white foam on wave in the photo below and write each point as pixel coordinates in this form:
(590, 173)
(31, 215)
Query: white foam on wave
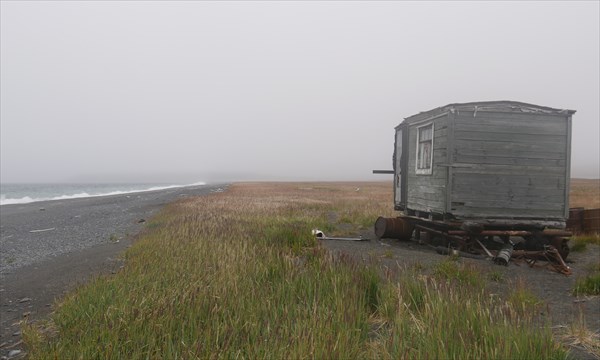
(27, 199)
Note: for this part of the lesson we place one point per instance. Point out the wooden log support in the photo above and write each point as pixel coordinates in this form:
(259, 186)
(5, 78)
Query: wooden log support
(441, 233)
(547, 232)
(492, 233)
(557, 232)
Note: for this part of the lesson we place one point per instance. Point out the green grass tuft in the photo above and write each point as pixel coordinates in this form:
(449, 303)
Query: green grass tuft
(584, 239)
(521, 297)
(588, 285)
(578, 246)
(495, 276)
(454, 270)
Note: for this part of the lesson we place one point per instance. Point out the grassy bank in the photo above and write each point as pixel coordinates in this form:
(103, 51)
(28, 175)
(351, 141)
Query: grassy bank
(239, 275)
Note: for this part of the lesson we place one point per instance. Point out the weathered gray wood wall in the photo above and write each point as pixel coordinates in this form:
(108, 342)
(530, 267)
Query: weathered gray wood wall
(509, 165)
(428, 192)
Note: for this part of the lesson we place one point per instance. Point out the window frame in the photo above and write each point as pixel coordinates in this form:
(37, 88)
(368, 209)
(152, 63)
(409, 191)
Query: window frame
(428, 170)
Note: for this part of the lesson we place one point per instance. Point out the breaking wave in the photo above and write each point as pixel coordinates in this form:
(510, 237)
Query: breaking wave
(27, 199)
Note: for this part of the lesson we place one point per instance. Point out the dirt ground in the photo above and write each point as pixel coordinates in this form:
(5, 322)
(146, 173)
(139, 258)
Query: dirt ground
(552, 288)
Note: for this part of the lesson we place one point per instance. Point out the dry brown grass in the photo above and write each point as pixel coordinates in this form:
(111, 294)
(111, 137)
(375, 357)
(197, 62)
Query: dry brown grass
(585, 193)
(578, 335)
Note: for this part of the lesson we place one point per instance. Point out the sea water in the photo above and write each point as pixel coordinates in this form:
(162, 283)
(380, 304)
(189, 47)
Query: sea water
(26, 193)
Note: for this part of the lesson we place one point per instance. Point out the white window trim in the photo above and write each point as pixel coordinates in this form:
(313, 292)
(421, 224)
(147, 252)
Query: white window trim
(428, 171)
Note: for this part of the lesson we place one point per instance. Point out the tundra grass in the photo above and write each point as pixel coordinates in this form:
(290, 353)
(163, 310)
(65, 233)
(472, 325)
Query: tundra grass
(579, 242)
(239, 275)
(589, 282)
(585, 193)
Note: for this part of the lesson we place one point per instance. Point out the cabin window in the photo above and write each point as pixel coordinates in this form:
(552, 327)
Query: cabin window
(425, 149)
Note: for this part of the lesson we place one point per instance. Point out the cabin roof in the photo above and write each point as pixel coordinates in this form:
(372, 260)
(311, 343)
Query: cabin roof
(502, 106)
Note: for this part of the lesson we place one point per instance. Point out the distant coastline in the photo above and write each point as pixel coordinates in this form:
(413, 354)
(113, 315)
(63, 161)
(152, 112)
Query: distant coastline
(29, 193)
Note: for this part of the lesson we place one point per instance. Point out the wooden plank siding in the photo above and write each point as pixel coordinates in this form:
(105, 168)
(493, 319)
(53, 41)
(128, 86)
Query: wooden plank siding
(509, 165)
(428, 192)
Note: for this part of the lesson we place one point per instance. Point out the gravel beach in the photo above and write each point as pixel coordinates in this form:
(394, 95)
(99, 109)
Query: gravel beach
(47, 248)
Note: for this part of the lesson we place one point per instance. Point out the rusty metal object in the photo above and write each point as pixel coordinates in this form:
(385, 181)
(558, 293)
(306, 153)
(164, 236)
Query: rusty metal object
(472, 227)
(584, 220)
(549, 232)
(434, 222)
(575, 220)
(487, 252)
(393, 228)
(548, 246)
(561, 245)
(504, 255)
(554, 258)
(458, 239)
(550, 254)
(492, 233)
(557, 232)
(591, 221)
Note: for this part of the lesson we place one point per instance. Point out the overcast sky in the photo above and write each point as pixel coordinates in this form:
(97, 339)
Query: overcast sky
(191, 91)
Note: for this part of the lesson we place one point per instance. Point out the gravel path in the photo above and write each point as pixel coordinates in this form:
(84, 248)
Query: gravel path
(48, 248)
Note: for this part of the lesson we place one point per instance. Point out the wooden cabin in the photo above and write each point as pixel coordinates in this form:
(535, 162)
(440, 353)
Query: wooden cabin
(505, 163)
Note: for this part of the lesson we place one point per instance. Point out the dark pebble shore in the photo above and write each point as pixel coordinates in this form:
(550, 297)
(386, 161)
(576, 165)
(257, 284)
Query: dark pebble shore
(79, 238)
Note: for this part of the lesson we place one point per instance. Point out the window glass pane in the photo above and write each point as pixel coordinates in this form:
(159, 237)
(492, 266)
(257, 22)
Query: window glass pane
(424, 160)
(426, 155)
(425, 133)
(425, 147)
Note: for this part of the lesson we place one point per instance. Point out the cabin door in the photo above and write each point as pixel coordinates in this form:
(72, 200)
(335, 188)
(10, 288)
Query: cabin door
(400, 166)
